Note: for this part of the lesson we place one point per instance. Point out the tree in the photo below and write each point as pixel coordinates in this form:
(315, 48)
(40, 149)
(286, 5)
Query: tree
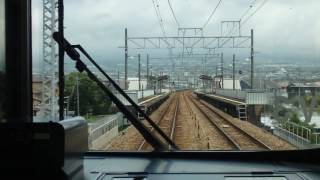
(308, 100)
(295, 118)
(92, 99)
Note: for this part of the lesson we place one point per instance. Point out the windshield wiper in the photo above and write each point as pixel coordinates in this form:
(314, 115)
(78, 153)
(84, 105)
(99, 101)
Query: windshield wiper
(155, 142)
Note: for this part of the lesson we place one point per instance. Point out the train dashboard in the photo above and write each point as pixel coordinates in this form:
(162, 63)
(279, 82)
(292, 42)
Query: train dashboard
(78, 163)
(192, 165)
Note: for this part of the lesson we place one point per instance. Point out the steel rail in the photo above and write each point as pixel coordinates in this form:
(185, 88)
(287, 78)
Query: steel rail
(226, 135)
(255, 140)
(173, 124)
(161, 117)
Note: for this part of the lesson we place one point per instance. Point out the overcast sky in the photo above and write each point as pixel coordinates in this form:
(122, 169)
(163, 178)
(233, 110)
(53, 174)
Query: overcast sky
(284, 29)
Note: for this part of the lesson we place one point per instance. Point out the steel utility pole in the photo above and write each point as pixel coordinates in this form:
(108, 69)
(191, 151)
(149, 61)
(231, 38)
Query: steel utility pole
(147, 71)
(118, 77)
(160, 82)
(125, 59)
(222, 71)
(78, 98)
(178, 82)
(152, 81)
(142, 92)
(197, 82)
(252, 53)
(216, 70)
(61, 61)
(139, 73)
(233, 71)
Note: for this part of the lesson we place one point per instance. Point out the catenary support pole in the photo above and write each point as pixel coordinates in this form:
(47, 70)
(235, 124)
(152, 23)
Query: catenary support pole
(251, 58)
(139, 72)
(126, 59)
(148, 71)
(233, 72)
(222, 85)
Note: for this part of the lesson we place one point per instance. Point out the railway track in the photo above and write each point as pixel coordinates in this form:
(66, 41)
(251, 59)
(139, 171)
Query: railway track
(240, 139)
(174, 121)
(201, 130)
(193, 124)
(222, 135)
(167, 122)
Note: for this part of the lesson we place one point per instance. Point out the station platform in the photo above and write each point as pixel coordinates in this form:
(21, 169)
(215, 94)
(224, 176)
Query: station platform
(149, 100)
(229, 100)
(235, 107)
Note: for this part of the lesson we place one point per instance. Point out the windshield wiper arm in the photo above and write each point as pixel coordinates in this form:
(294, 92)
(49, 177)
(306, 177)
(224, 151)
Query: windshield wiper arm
(149, 137)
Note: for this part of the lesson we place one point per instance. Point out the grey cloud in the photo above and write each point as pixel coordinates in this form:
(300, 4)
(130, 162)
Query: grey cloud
(283, 28)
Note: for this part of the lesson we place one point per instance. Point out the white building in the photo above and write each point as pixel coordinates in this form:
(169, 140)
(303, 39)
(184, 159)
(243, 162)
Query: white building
(133, 83)
(228, 83)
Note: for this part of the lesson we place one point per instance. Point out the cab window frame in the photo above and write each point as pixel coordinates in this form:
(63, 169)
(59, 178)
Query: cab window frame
(18, 61)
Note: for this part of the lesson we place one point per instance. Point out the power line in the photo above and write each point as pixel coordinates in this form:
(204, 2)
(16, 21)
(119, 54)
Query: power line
(243, 15)
(261, 5)
(251, 5)
(215, 9)
(160, 18)
(246, 20)
(174, 16)
(157, 9)
(248, 10)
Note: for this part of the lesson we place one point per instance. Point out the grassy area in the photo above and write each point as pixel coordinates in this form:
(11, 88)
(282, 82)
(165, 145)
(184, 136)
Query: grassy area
(121, 128)
(295, 119)
(91, 118)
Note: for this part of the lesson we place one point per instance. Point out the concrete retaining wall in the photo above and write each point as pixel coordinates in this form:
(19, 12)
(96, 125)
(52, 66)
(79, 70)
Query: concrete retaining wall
(101, 135)
(103, 141)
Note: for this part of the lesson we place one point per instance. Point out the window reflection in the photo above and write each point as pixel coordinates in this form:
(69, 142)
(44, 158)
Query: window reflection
(2, 35)
(2, 57)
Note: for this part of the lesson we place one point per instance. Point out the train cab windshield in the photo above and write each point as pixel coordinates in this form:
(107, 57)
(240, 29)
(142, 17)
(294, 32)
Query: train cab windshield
(240, 75)
(154, 89)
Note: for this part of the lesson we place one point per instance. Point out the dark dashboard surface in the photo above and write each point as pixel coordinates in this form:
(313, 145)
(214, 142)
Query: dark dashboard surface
(115, 167)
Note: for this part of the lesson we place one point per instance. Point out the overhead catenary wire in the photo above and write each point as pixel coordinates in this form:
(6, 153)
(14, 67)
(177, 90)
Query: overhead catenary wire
(252, 14)
(161, 20)
(211, 15)
(246, 12)
(173, 14)
(250, 7)
(242, 23)
(157, 10)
